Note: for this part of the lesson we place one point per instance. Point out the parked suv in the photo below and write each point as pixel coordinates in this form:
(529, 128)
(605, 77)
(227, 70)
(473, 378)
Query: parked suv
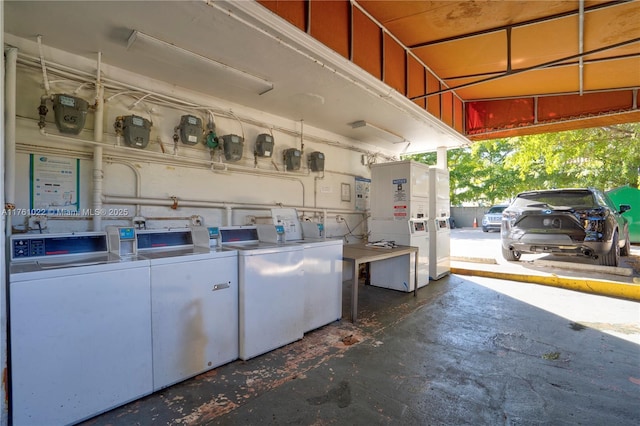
(579, 222)
(492, 219)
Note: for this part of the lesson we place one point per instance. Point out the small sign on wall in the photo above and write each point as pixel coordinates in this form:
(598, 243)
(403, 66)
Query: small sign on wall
(345, 192)
(363, 187)
(54, 184)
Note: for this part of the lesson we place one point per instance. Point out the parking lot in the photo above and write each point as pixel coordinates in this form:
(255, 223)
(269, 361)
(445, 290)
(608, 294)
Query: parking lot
(474, 249)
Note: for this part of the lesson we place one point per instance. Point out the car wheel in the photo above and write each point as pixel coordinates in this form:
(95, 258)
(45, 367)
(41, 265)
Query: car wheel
(626, 250)
(512, 255)
(613, 257)
(485, 229)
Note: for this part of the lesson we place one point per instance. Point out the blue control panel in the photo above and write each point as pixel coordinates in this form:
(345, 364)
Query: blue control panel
(54, 245)
(127, 233)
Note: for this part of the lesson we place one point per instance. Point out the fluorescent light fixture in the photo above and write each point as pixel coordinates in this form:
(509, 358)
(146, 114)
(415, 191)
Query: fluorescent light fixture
(157, 49)
(374, 131)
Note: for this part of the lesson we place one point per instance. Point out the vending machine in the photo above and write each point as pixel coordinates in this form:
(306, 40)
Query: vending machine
(400, 195)
(438, 224)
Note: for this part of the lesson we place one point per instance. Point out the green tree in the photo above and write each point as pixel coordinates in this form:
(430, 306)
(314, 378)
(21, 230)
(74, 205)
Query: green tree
(491, 171)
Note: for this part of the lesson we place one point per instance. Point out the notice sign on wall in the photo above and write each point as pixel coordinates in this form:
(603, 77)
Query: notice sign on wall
(400, 199)
(55, 184)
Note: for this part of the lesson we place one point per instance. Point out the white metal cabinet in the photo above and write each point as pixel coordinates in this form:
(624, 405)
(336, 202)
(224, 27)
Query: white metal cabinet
(194, 314)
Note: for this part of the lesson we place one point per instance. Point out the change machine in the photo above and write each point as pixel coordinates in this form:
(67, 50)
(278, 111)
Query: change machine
(438, 225)
(400, 195)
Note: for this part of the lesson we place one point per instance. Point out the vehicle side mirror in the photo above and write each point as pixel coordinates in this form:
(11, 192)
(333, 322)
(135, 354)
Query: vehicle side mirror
(624, 208)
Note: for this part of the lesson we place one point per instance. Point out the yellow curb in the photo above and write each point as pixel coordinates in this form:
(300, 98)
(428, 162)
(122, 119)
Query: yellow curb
(604, 288)
(473, 260)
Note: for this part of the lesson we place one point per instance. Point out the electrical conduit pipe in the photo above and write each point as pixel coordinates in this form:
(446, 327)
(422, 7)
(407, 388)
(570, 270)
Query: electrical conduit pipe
(98, 173)
(11, 55)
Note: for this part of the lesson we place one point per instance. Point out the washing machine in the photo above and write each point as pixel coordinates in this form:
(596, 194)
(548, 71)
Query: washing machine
(322, 264)
(271, 300)
(194, 302)
(80, 322)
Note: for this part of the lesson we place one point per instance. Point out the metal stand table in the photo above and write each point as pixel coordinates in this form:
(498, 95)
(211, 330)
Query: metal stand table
(361, 253)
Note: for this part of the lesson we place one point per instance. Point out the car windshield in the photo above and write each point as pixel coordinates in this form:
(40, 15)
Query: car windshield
(573, 199)
(496, 209)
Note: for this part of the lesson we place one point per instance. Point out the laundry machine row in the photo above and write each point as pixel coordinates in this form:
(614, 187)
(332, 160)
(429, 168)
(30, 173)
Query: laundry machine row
(98, 319)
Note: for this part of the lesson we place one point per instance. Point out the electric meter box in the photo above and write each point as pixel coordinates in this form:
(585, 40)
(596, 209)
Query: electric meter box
(190, 129)
(316, 161)
(233, 146)
(292, 159)
(264, 145)
(136, 131)
(70, 113)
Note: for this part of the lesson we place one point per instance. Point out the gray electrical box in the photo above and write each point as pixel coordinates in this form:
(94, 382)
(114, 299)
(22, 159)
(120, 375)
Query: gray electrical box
(70, 113)
(292, 159)
(190, 130)
(136, 131)
(264, 145)
(316, 161)
(233, 146)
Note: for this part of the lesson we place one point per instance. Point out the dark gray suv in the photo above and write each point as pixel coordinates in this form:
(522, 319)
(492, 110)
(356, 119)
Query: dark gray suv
(579, 222)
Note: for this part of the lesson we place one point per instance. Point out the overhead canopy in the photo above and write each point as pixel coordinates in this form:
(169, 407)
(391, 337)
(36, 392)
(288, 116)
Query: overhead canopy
(517, 67)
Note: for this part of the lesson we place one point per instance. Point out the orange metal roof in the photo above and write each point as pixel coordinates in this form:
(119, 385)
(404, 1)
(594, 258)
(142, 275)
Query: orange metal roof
(522, 49)
(497, 51)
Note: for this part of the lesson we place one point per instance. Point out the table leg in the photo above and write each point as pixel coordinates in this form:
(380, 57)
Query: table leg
(415, 275)
(354, 292)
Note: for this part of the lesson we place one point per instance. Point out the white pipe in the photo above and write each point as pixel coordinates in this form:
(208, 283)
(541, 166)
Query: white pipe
(98, 176)
(148, 201)
(45, 79)
(229, 216)
(98, 172)
(11, 55)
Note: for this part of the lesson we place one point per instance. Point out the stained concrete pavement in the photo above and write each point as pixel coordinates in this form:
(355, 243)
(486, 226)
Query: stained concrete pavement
(466, 350)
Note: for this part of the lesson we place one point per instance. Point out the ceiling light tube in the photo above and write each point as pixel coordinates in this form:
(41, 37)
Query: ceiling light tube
(378, 132)
(154, 47)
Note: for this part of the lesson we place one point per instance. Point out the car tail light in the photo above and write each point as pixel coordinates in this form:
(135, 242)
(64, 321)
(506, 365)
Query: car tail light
(510, 218)
(594, 222)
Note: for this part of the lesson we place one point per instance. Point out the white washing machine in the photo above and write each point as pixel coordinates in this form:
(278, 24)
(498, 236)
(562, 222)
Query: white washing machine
(80, 321)
(194, 303)
(322, 282)
(270, 278)
(322, 264)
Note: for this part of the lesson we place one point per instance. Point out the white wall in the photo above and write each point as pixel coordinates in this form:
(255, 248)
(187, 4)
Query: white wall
(186, 172)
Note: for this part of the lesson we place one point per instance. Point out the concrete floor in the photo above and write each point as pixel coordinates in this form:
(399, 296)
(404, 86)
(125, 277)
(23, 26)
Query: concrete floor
(466, 350)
